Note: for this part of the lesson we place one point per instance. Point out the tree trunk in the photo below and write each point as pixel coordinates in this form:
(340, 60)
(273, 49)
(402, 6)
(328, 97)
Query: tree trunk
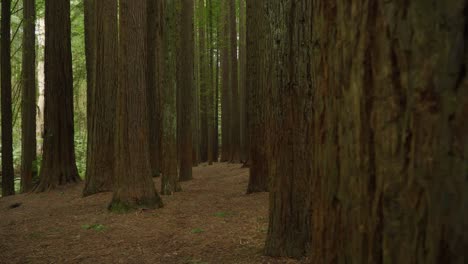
(372, 159)
(8, 175)
(258, 83)
(58, 160)
(216, 107)
(90, 53)
(204, 75)
(185, 76)
(244, 140)
(235, 114)
(225, 85)
(134, 187)
(28, 107)
(210, 87)
(102, 98)
(170, 176)
(154, 85)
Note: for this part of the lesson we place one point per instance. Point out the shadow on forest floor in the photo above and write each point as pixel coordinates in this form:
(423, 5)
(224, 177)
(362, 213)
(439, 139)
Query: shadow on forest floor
(211, 221)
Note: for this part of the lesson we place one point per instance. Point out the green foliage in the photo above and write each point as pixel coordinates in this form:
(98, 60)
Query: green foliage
(221, 214)
(197, 230)
(119, 207)
(95, 227)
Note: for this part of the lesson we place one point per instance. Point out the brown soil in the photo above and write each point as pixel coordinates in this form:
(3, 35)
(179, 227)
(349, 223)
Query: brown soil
(211, 221)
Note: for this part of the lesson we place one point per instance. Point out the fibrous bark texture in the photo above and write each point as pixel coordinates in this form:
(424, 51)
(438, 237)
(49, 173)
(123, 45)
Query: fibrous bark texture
(58, 160)
(372, 140)
(134, 187)
(102, 98)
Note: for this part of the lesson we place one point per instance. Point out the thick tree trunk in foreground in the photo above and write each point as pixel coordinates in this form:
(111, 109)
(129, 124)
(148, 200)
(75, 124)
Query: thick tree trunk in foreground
(225, 85)
(185, 86)
(102, 99)
(155, 62)
(8, 175)
(258, 82)
(134, 187)
(170, 176)
(58, 160)
(28, 102)
(235, 114)
(372, 159)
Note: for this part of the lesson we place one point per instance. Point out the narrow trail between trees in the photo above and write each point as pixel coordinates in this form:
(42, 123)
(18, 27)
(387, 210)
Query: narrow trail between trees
(210, 221)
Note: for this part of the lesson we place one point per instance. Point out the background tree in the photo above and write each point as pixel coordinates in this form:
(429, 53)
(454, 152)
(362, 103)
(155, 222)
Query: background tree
(225, 85)
(204, 78)
(102, 99)
(155, 59)
(170, 176)
(257, 87)
(210, 85)
(58, 161)
(8, 176)
(28, 107)
(244, 137)
(235, 103)
(134, 187)
(185, 86)
(371, 158)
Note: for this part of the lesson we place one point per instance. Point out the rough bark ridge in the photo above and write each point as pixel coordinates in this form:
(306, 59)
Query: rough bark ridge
(8, 176)
(58, 160)
(257, 85)
(154, 80)
(28, 102)
(133, 186)
(234, 127)
(185, 76)
(102, 98)
(378, 113)
(170, 176)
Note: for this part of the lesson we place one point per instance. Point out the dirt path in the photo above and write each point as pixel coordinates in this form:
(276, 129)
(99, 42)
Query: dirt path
(211, 221)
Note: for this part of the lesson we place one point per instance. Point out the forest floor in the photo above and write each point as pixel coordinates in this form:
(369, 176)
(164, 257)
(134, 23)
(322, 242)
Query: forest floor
(211, 221)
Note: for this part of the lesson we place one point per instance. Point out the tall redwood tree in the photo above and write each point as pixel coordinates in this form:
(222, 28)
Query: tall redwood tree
(58, 160)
